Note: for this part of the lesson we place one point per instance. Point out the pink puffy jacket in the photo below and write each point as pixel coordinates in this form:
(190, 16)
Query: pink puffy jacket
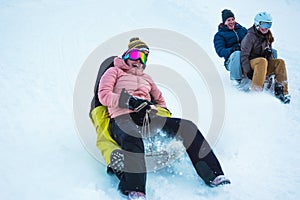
(134, 80)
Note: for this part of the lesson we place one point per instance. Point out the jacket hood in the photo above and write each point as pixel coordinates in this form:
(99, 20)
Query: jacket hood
(120, 63)
(253, 30)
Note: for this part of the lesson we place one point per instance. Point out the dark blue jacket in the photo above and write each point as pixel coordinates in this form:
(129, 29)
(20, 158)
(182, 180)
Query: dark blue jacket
(225, 39)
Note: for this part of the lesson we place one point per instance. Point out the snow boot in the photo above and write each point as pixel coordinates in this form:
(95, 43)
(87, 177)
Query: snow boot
(209, 176)
(134, 195)
(278, 90)
(236, 82)
(205, 172)
(220, 180)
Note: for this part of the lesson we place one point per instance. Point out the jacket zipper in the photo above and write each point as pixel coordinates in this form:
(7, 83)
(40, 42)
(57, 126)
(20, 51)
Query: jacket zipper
(238, 39)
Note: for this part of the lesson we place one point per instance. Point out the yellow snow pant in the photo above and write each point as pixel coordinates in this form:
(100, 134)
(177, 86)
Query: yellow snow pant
(262, 67)
(105, 143)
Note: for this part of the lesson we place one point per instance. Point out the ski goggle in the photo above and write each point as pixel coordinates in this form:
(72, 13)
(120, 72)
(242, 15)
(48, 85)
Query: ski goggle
(136, 55)
(265, 24)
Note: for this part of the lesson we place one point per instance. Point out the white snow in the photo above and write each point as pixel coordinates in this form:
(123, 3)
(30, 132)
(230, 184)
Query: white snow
(43, 45)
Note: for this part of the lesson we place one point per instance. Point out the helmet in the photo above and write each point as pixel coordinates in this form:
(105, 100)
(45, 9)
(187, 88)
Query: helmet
(262, 17)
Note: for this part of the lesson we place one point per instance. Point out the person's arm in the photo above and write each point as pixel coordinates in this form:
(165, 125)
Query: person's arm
(246, 47)
(106, 87)
(157, 95)
(220, 48)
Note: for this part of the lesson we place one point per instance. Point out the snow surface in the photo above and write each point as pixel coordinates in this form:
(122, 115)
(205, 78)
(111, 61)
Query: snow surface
(43, 46)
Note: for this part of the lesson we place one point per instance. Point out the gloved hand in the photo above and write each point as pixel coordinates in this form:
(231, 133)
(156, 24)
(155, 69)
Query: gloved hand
(250, 74)
(128, 101)
(267, 52)
(236, 48)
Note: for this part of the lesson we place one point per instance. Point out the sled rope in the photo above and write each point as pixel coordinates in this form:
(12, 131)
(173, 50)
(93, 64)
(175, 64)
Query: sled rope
(146, 131)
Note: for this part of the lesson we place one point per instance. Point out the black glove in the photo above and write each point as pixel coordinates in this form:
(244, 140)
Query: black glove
(128, 101)
(250, 74)
(268, 52)
(236, 48)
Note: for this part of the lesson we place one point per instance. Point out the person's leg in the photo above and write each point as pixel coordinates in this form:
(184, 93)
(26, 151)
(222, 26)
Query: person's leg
(275, 54)
(277, 66)
(127, 134)
(203, 158)
(233, 64)
(259, 66)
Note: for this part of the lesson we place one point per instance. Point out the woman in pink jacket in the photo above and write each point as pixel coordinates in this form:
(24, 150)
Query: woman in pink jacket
(132, 97)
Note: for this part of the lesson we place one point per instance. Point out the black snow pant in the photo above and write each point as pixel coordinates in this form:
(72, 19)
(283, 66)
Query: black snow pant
(128, 134)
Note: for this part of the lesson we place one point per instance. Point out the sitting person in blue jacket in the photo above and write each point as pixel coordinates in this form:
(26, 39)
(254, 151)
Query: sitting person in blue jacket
(227, 43)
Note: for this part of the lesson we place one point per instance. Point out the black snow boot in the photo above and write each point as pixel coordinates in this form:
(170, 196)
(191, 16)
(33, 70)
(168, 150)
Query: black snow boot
(278, 90)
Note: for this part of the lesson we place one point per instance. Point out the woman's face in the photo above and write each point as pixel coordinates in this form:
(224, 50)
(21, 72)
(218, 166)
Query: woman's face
(263, 30)
(230, 23)
(137, 63)
(134, 63)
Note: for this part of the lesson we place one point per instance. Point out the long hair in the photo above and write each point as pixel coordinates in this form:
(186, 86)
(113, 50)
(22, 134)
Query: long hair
(269, 37)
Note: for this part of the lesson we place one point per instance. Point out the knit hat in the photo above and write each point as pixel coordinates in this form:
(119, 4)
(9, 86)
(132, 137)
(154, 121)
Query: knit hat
(226, 14)
(136, 43)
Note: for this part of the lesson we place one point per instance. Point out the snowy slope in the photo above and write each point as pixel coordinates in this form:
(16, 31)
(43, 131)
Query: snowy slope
(43, 46)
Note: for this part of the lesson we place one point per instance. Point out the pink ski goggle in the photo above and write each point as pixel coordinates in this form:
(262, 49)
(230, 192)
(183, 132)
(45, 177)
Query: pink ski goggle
(136, 55)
